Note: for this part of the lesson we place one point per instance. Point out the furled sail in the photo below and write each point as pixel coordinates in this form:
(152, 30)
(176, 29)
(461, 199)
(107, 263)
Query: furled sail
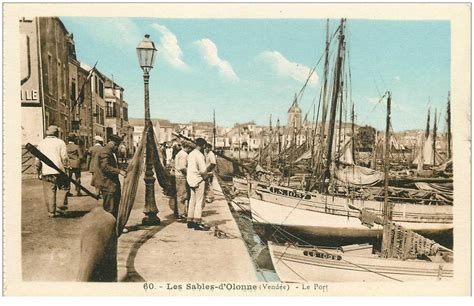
(425, 152)
(357, 175)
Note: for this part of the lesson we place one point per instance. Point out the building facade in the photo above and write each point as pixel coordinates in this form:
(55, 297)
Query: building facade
(44, 60)
(58, 89)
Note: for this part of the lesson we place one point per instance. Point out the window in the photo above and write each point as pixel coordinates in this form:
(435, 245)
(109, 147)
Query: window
(64, 80)
(111, 110)
(60, 80)
(49, 74)
(97, 113)
(73, 91)
(101, 89)
(102, 116)
(125, 114)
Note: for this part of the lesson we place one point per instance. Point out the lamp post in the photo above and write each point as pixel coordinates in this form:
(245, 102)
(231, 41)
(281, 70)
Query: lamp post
(146, 54)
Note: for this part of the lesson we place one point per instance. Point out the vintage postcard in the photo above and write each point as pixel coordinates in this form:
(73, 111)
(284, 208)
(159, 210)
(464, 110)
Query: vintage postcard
(237, 149)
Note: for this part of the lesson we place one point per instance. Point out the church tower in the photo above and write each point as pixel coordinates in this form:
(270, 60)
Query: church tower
(294, 115)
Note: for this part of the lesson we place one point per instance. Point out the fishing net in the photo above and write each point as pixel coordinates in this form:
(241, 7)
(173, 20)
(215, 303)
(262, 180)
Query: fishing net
(165, 178)
(130, 185)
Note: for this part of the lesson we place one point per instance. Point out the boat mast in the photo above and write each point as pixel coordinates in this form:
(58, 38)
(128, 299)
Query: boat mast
(324, 102)
(374, 152)
(240, 142)
(427, 131)
(293, 146)
(313, 134)
(325, 84)
(434, 138)
(353, 132)
(449, 124)
(279, 138)
(214, 130)
(270, 145)
(335, 96)
(387, 207)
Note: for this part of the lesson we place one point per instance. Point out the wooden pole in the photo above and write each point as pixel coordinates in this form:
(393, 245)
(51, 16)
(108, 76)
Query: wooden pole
(434, 137)
(427, 130)
(335, 96)
(270, 145)
(387, 207)
(353, 132)
(38, 154)
(214, 130)
(449, 125)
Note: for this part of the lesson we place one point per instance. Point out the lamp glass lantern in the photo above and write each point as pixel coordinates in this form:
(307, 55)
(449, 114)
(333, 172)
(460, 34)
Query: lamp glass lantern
(146, 51)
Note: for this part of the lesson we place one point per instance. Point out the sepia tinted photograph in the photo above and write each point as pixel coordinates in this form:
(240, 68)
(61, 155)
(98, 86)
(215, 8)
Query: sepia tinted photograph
(254, 154)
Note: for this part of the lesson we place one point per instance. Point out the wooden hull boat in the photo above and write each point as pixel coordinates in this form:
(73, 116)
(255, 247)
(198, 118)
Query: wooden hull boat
(354, 263)
(325, 215)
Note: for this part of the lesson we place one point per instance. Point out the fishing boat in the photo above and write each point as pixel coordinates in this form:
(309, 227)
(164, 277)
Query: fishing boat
(404, 255)
(324, 211)
(352, 263)
(327, 215)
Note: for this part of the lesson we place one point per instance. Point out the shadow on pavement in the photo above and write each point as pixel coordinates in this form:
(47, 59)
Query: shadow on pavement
(73, 214)
(220, 222)
(208, 213)
(149, 232)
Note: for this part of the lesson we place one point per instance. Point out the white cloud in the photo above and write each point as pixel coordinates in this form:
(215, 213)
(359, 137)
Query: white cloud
(397, 78)
(169, 48)
(285, 68)
(104, 28)
(210, 53)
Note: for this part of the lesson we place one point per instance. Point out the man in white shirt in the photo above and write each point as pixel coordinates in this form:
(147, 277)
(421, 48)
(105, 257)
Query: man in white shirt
(180, 172)
(195, 176)
(169, 155)
(211, 165)
(54, 183)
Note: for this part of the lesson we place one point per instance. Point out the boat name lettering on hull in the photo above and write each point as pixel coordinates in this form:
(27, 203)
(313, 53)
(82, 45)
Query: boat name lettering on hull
(290, 193)
(322, 255)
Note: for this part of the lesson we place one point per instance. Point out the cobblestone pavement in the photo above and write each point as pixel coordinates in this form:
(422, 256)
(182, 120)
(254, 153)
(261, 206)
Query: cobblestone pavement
(168, 252)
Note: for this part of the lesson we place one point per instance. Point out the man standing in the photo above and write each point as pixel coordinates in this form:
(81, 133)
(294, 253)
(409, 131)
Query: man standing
(93, 153)
(75, 155)
(180, 171)
(106, 175)
(195, 176)
(210, 164)
(54, 184)
(169, 155)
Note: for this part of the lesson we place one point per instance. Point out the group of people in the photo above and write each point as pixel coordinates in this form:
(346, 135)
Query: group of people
(193, 166)
(103, 164)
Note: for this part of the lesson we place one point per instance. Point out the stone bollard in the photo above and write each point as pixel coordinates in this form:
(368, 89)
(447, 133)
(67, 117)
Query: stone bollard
(98, 261)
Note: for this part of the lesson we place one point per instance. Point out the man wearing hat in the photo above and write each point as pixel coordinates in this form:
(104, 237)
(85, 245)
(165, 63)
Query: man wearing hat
(195, 176)
(106, 175)
(92, 153)
(182, 187)
(54, 184)
(75, 155)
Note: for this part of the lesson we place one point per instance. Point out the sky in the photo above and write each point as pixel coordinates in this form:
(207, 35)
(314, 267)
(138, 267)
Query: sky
(249, 69)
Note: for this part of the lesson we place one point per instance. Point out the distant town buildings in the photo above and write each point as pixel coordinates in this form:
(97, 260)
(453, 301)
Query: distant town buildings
(58, 89)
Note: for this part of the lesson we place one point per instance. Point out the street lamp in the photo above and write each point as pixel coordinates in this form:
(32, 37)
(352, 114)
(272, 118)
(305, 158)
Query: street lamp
(146, 54)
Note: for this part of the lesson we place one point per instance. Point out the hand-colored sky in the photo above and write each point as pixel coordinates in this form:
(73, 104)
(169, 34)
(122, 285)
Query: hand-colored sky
(249, 69)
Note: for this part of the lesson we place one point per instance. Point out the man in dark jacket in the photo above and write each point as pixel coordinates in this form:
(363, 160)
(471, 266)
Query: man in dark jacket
(106, 175)
(93, 153)
(75, 155)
